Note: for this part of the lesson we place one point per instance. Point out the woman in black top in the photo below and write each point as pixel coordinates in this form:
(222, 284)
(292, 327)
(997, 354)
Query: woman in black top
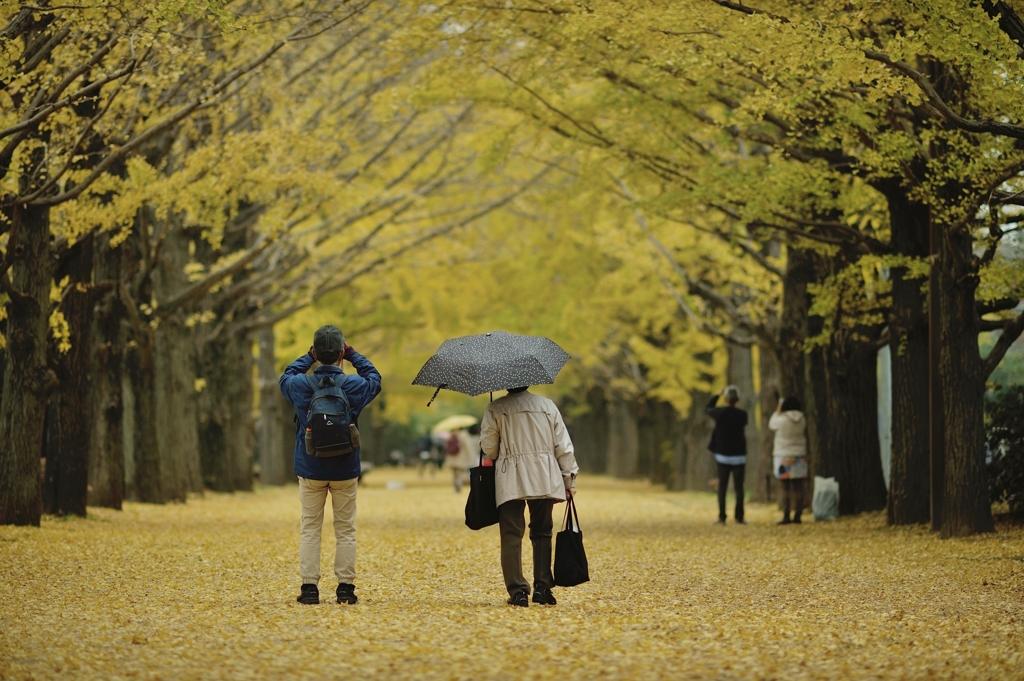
(729, 445)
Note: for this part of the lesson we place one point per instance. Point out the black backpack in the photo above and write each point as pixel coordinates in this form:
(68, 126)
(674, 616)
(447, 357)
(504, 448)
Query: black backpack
(329, 427)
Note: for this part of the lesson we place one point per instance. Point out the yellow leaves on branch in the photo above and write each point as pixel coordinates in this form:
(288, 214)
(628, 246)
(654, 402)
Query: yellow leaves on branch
(207, 590)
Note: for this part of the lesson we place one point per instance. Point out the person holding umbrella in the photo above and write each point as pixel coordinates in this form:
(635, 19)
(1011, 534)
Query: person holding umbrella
(523, 434)
(535, 466)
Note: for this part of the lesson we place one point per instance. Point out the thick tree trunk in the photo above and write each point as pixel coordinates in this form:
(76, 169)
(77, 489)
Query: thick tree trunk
(764, 485)
(800, 271)
(175, 374)
(849, 414)
(741, 374)
(908, 333)
(694, 466)
(225, 418)
(589, 432)
(26, 377)
(213, 416)
(966, 507)
(275, 461)
(67, 462)
(242, 431)
(148, 480)
(623, 444)
(657, 433)
(106, 454)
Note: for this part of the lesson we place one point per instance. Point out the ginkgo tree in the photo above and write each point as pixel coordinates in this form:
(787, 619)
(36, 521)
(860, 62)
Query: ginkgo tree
(834, 90)
(276, 156)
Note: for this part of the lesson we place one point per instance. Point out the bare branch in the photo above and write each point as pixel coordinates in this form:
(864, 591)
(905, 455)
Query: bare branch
(1011, 332)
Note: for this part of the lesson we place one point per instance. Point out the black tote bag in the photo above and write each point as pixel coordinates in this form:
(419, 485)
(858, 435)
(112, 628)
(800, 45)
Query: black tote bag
(481, 506)
(570, 559)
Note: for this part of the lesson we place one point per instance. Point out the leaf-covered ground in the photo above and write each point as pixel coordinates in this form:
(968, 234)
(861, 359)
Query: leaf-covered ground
(206, 590)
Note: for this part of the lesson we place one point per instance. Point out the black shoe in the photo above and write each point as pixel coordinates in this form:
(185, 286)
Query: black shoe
(544, 597)
(786, 521)
(310, 595)
(520, 598)
(797, 520)
(741, 521)
(720, 521)
(347, 594)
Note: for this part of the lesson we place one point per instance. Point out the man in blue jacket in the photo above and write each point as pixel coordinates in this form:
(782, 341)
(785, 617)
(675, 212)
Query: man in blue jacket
(338, 474)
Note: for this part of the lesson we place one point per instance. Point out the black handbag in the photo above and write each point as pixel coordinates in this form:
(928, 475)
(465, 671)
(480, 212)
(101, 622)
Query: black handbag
(570, 559)
(481, 506)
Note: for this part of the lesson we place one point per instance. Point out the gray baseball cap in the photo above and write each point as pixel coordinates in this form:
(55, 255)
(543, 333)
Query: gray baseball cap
(329, 343)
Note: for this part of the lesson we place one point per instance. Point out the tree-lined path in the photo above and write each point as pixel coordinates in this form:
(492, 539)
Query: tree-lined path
(205, 590)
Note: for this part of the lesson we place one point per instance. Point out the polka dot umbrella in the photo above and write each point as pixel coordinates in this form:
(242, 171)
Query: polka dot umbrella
(492, 361)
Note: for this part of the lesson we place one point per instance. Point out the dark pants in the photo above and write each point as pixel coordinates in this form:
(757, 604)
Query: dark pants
(512, 523)
(723, 483)
(790, 489)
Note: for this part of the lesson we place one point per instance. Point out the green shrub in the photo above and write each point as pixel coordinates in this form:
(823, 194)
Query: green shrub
(1005, 440)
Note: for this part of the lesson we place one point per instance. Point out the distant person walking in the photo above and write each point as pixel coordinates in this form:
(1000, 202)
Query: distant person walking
(319, 474)
(789, 455)
(535, 466)
(729, 445)
(466, 455)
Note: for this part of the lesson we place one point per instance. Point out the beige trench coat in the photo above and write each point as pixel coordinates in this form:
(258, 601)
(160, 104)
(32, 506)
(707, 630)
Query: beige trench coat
(534, 455)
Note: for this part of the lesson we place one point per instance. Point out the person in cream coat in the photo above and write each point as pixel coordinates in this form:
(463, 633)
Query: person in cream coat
(535, 466)
(789, 454)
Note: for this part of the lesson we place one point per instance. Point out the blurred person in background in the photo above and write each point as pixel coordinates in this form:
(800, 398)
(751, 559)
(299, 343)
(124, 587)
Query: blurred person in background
(789, 455)
(466, 455)
(729, 446)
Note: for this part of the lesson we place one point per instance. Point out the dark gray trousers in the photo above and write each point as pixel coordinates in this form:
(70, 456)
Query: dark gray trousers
(512, 523)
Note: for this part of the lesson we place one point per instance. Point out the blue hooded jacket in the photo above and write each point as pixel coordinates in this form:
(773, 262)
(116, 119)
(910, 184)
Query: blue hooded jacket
(360, 391)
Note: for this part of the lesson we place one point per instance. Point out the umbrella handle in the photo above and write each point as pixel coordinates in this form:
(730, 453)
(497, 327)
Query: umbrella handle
(435, 394)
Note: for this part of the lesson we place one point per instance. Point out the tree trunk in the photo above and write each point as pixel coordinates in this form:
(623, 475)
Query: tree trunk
(800, 270)
(242, 430)
(908, 334)
(966, 507)
(26, 377)
(589, 432)
(148, 481)
(623, 445)
(175, 374)
(694, 465)
(849, 410)
(275, 461)
(656, 436)
(225, 417)
(764, 485)
(213, 416)
(741, 374)
(67, 462)
(106, 454)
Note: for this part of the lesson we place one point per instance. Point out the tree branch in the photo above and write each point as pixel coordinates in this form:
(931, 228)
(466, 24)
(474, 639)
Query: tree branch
(1011, 332)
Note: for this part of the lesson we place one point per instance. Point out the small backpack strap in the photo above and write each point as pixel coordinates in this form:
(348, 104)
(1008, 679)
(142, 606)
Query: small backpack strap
(313, 383)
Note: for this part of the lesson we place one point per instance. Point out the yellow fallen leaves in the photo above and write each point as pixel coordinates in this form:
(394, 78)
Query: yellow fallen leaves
(206, 590)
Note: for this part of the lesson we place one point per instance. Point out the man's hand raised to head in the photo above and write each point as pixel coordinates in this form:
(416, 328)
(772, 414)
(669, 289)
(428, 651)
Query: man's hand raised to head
(347, 353)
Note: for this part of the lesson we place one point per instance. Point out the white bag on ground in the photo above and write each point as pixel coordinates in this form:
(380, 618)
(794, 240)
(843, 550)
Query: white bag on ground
(825, 502)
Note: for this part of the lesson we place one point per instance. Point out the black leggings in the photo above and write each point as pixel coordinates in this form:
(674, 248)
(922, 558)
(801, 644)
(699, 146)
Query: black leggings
(723, 483)
(791, 488)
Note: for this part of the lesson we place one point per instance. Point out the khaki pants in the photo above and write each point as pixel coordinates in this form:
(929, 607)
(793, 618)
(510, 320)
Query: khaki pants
(512, 524)
(313, 495)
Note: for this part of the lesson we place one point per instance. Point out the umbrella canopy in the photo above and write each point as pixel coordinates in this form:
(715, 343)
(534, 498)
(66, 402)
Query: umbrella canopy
(492, 361)
(452, 423)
